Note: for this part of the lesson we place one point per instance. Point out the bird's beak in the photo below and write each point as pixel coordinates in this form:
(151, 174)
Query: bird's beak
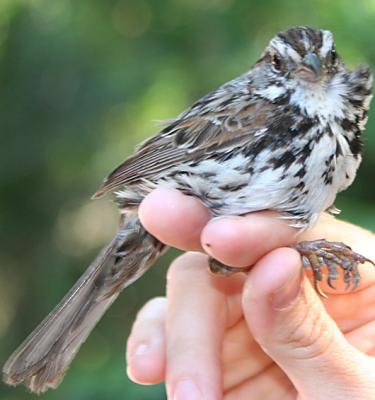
(312, 61)
(310, 68)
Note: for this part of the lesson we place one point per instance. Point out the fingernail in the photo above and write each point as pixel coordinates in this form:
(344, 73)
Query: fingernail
(285, 296)
(142, 349)
(186, 389)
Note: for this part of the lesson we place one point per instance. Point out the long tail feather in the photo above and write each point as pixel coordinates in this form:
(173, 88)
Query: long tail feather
(41, 361)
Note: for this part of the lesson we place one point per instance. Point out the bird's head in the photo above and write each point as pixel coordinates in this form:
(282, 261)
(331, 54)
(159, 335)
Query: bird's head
(303, 54)
(301, 65)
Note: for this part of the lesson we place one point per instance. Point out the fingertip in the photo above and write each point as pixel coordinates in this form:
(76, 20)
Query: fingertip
(222, 238)
(273, 285)
(241, 241)
(174, 218)
(145, 350)
(145, 366)
(272, 272)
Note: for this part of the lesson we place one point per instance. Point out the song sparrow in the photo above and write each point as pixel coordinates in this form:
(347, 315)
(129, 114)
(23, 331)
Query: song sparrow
(286, 136)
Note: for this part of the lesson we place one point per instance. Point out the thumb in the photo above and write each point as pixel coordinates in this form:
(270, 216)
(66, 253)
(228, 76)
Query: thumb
(288, 320)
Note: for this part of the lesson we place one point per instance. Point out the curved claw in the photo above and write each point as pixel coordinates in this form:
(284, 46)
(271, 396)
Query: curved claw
(319, 290)
(330, 284)
(333, 255)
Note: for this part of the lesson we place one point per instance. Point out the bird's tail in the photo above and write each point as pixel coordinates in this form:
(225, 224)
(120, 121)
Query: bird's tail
(41, 361)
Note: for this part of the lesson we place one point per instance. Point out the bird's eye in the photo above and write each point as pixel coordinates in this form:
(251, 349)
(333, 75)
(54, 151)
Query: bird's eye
(333, 56)
(276, 62)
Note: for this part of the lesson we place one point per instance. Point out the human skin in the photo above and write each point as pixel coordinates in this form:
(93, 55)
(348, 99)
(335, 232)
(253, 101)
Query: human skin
(263, 335)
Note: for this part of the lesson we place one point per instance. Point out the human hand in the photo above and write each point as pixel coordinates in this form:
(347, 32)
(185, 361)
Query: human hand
(262, 336)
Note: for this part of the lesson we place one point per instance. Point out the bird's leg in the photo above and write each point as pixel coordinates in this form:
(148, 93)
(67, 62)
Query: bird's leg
(334, 255)
(315, 254)
(218, 268)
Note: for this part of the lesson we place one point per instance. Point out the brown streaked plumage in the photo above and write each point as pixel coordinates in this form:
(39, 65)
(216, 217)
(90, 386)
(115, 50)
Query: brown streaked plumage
(286, 136)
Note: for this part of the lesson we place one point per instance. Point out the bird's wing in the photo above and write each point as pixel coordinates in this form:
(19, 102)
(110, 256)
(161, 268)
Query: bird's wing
(224, 119)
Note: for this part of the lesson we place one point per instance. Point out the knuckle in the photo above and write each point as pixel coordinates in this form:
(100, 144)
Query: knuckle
(156, 302)
(153, 307)
(186, 265)
(175, 269)
(152, 312)
(311, 336)
(144, 328)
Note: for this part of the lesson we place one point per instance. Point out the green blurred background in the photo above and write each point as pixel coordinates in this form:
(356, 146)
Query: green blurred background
(81, 82)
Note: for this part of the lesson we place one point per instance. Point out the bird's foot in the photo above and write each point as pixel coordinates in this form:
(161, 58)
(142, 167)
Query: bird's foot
(315, 255)
(334, 255)
(218, 268)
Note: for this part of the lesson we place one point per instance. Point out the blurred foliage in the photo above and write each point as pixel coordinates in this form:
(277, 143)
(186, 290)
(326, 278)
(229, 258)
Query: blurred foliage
(80, 84)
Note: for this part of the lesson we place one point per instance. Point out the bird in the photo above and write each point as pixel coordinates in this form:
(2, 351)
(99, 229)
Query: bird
(283, 136)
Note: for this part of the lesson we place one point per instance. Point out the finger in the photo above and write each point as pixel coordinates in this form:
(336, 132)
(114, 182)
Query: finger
(174, 218)
(353, 309)
(270, 384)
(290, 323)
(196, 319)
(241, 241)
(242, 358)
(146, 344)
(362, 338)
